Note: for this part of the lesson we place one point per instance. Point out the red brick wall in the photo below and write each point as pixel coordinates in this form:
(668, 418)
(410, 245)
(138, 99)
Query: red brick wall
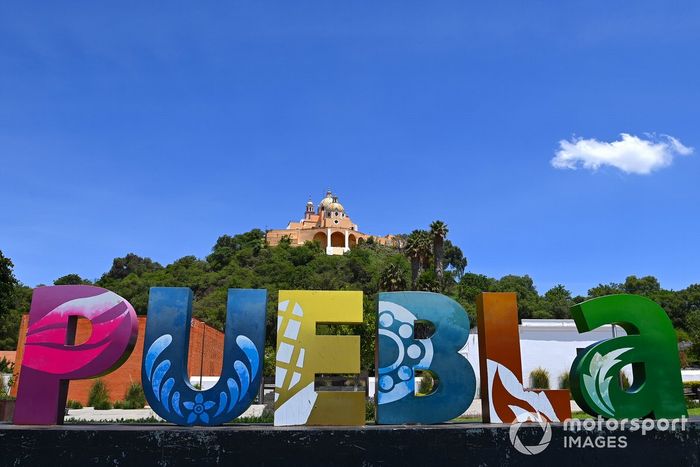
(205, 342)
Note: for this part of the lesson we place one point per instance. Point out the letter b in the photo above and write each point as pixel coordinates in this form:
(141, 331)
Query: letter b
(399, 353)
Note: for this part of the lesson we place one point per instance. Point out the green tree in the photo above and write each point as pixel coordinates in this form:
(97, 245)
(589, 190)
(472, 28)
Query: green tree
(9, 316)
(693, 328)
(647, 285)
(425, 249)
(438, 233)
(9, 323)
(71, 279)
(227, 248)
(529, 302)
(557, 301)
(471, 285)
(674, 305)
(413, 253)
(605, 289)
(7, 285)
(454, 258)
(688, 301)
(129, 264)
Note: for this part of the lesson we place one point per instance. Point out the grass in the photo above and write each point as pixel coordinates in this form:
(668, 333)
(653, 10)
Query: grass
(82, 421)
(268, 419)
(478, 419)
(582, 415)
(150, 420)
(579, 415)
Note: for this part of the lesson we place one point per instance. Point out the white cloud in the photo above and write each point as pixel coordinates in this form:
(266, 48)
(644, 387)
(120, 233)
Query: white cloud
(631, 154)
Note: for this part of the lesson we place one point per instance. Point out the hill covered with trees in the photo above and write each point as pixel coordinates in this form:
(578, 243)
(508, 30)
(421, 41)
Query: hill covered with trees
(423, 260)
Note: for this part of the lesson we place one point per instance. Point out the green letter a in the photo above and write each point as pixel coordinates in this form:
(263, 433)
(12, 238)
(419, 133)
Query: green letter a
(651, 348)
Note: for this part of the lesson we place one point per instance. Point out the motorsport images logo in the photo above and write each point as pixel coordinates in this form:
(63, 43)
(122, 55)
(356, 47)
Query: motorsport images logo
(586, 433)
(530, 449)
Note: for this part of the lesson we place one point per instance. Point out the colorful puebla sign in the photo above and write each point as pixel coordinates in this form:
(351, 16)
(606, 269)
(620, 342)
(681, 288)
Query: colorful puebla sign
(503, 398)
(51, 360)
(301, 354)
(164, 369)
(398, 355)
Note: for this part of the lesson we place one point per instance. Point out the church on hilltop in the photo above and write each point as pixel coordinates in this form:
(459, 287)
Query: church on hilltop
(327, 224)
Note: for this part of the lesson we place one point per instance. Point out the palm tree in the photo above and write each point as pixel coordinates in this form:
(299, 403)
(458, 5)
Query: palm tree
(425, 247)
(392, 278)
(413, 252)
(438, 232)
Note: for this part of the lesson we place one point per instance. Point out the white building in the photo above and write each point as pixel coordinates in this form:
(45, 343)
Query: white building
(544, 343)
(548, 343)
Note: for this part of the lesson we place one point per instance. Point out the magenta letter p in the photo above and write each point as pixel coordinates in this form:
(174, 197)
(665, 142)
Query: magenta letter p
(50, 360)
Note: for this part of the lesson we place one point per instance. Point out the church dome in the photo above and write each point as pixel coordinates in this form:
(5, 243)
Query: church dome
(336, 206)
(327, 200)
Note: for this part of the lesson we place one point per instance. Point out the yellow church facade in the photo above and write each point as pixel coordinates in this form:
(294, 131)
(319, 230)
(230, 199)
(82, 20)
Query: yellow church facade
(327, 224)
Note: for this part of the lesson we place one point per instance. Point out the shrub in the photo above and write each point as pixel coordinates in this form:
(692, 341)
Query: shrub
(624, 381)
(4, 391)
(6, 366)
(369, 410)
(539, 379)
(428, 382)
(134, 397)
(99, 396)
(270, 361)
(105, 405)
(691, 389)
(694, 386)
(425, 385)
(564, 380)
(127, 405)
(265, 418)
(428, 282)
(269, 411)
(73, 404)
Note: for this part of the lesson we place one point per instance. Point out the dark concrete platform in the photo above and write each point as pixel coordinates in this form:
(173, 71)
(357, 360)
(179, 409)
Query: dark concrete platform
(436, 445)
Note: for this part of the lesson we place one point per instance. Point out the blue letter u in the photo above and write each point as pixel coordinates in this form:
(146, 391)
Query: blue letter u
(164, 370)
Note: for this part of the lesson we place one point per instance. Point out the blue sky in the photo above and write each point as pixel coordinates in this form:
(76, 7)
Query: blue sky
(152, 128)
